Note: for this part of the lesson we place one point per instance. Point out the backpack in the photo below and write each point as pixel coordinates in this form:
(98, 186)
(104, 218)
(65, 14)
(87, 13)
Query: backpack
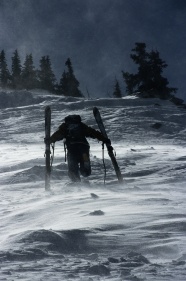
(75, 130)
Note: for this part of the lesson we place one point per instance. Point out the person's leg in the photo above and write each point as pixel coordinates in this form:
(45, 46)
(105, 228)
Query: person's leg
(85, 166)
(73, 168)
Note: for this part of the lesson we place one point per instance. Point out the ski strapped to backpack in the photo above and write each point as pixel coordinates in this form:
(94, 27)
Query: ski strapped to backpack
(109, 147)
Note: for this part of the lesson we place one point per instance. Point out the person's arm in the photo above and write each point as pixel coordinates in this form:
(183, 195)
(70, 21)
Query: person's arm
(95, 134)
(59, 134)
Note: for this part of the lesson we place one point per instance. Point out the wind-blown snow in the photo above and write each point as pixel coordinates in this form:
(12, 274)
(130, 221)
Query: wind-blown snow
(130, 231)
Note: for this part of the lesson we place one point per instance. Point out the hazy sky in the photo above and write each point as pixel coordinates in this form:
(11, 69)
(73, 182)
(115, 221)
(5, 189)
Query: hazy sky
(97, 35)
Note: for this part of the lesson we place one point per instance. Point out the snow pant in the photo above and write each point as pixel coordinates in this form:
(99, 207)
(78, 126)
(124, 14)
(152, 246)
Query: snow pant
(78, 161)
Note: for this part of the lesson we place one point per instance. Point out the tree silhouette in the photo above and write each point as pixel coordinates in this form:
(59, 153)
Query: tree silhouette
(68, 85)
(4, 72)
(117, 90)
(46, 76)
(148, 80)
(29, 79)
(63, 85)
(16, 71)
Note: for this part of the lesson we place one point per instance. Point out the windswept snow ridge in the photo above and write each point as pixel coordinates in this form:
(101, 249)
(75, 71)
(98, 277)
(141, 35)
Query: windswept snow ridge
(130, 231)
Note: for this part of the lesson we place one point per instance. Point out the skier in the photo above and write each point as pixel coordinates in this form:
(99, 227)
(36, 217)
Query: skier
(74, 133)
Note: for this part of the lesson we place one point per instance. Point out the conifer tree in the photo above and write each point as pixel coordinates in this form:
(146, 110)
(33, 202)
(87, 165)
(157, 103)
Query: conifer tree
(157, 81)
(29, 79)
(69, 85)
(4, 72)
(16, 71)
(148, 80)
(117, 90)
(131, 81)
(63, 85)
(45, 75)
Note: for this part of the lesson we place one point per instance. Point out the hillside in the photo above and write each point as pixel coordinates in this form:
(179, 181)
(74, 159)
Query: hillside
(134, 231)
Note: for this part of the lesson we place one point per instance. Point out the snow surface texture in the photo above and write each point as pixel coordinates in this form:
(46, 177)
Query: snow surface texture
(132, 231)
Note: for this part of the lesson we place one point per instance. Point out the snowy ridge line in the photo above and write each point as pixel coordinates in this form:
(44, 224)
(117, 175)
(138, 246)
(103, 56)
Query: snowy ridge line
(18, 98)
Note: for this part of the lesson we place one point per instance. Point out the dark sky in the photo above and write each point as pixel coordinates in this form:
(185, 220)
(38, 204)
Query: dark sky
(97, 35)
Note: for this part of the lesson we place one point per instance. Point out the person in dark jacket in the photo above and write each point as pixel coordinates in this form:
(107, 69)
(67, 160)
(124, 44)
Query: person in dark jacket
(75, 132)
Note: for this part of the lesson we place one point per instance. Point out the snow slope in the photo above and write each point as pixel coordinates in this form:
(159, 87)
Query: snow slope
(134, 231)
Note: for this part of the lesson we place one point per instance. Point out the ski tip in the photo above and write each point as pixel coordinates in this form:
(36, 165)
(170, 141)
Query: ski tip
(47, 108)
